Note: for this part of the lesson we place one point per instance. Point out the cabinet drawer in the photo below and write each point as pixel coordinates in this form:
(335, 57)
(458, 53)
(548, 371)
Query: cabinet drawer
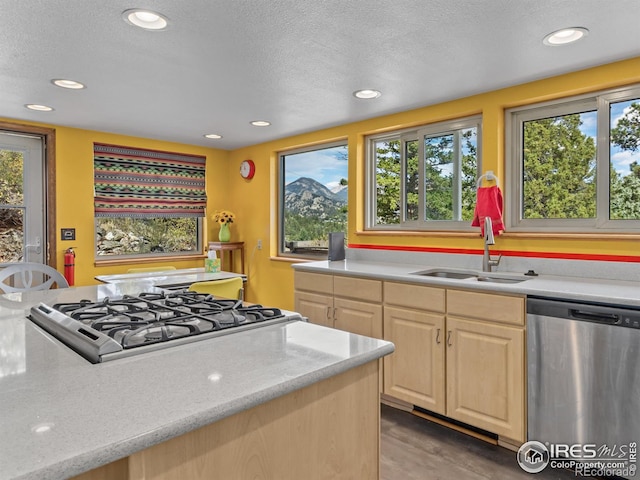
(359, 288)
(414, 296)
(486, 306)
(313, 282)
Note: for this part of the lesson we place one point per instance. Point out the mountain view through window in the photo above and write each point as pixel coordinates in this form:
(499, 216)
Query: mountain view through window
(313, 199)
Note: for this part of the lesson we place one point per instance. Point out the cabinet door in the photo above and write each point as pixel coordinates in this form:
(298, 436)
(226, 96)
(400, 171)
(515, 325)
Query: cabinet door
(358, 317)
(316, 307)
(485, 376)
(415, 371)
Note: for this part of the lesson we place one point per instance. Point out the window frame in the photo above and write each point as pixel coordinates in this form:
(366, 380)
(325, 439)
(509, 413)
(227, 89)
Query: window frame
(130, 183)
(281, 190)
(514, 120)
(419, 134)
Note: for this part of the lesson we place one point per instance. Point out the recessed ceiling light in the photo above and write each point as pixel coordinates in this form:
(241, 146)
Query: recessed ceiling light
(215, 136)
(260, 123)
(39, 108)
(146, 19)
(72, 84)
(564, 36)
(366, 93)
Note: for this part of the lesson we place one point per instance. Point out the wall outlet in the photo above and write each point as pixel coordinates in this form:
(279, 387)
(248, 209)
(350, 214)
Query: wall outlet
(259, 244)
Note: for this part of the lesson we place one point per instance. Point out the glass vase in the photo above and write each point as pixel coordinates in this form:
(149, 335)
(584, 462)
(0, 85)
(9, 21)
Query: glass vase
(224, 235)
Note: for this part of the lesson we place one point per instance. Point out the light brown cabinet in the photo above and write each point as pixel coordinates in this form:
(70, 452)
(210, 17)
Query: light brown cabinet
(458, 353)
(345, 303)
(485, 376)
(318, 308)
(415, 371)
(314, 297)
(414, 321)
(486, 361)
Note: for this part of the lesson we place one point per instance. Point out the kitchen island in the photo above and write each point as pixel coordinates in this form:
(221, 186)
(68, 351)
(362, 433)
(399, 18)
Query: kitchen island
(291, 400)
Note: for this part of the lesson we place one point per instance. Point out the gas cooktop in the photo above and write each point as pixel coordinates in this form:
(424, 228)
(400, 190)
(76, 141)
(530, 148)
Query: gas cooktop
(130, 325)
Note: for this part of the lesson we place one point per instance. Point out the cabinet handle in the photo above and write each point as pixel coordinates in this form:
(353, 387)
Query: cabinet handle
(328, 313)
(449, 339)
(438, 336)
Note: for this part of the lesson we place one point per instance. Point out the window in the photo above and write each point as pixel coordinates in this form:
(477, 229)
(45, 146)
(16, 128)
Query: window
(313, 198)
(424, 179)
(147, 203)
(576, 164)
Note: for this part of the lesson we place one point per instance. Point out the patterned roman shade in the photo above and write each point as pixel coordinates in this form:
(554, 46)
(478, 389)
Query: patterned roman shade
(134, 182)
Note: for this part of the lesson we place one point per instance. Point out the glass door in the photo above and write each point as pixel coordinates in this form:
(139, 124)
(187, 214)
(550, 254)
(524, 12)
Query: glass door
(22, 224)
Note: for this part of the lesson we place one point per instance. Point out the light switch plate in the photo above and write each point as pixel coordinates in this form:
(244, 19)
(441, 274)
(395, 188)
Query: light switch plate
(68, 233)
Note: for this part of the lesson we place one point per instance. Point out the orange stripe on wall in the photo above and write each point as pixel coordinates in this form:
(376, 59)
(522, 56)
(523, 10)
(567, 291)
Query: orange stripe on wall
(506, 253)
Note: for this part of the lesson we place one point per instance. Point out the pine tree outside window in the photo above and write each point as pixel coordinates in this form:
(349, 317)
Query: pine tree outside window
(574, 165)
(425, 178)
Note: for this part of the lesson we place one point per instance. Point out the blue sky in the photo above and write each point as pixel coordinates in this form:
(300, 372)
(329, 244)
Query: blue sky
(329, 165)
(621, 159)
(326, 166)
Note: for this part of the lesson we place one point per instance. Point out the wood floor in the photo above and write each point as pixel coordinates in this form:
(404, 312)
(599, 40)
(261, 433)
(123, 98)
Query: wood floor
(413, 448)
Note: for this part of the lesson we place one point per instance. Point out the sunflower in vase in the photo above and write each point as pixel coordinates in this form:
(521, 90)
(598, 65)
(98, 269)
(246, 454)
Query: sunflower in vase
(224, 218)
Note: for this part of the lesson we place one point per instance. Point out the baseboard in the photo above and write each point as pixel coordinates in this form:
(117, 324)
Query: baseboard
(509, 444)
(396, 403)
(478, 433)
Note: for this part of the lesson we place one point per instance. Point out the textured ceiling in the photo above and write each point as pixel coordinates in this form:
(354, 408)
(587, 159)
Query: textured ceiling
(296, 63)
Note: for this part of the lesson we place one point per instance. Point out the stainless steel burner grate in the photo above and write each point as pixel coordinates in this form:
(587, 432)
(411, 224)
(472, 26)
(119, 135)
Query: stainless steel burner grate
(114, 328)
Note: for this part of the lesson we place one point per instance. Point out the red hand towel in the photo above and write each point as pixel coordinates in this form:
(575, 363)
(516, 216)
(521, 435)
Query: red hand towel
(488, 204)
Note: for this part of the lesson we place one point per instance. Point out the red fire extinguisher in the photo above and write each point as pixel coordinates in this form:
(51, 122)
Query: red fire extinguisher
(70, 265)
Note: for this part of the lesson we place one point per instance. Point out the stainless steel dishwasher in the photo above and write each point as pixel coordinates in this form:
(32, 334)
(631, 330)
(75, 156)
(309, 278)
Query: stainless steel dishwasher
(583, 373)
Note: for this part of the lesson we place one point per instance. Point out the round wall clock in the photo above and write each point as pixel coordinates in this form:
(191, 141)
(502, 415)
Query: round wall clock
(247, 169)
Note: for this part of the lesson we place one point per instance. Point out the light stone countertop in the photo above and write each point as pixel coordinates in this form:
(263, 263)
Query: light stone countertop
(617, 292)
(62, 415)
(183, 276)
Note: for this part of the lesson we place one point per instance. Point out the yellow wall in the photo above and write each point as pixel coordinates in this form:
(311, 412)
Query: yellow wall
(74, 185)
(74, 193)
(255, 201)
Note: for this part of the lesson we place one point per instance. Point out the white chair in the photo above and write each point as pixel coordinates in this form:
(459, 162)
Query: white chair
(27, 276)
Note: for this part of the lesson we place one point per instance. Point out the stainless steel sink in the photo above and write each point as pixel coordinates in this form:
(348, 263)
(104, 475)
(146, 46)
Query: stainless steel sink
(500, 279)
(445, 274)
(464, 275)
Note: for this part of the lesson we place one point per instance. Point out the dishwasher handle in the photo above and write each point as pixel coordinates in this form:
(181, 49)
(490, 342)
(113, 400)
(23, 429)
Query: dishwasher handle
(594, 316)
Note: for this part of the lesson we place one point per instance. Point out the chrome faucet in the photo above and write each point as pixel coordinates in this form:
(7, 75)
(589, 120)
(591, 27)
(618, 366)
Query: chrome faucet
(487, 262)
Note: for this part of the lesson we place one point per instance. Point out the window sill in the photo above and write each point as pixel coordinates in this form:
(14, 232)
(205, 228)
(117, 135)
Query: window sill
(419, 233)
(574, 235)
(296, 259)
